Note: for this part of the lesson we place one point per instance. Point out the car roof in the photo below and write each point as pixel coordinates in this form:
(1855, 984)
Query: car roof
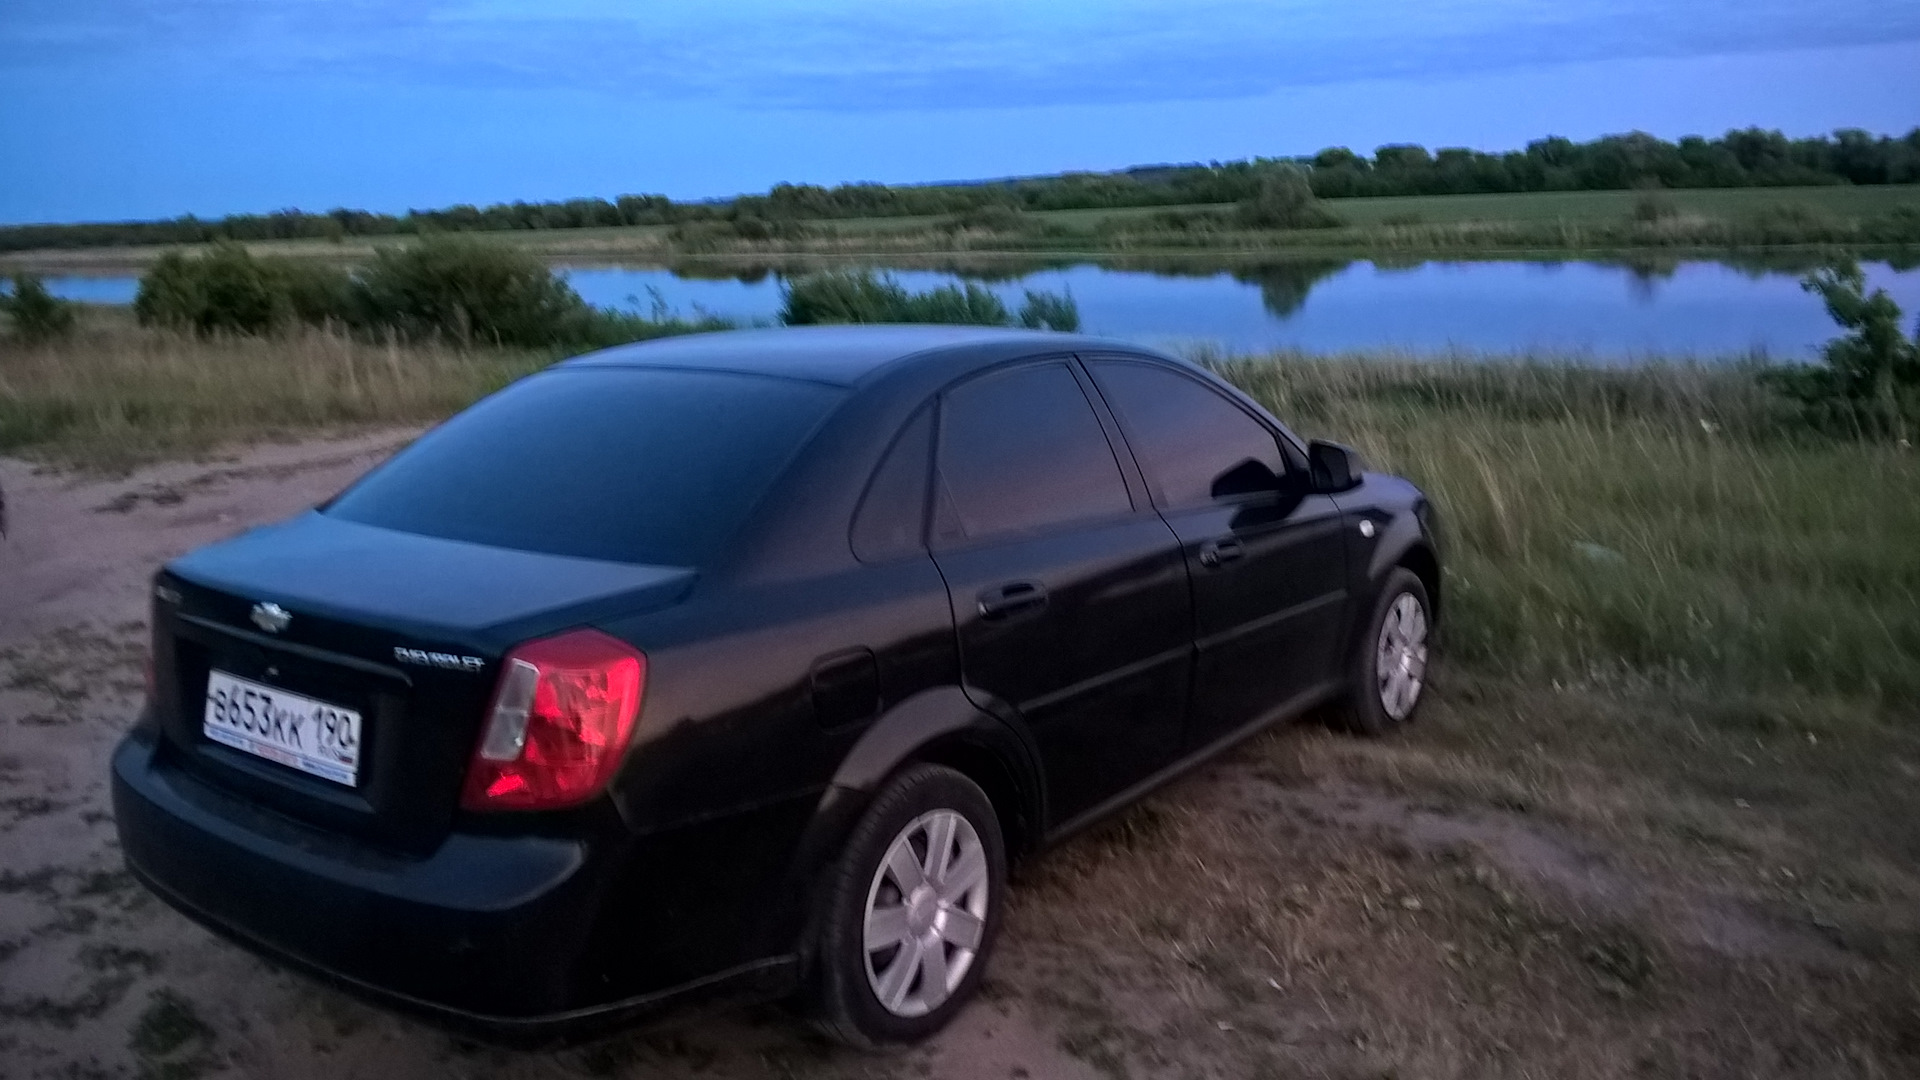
(841, 355)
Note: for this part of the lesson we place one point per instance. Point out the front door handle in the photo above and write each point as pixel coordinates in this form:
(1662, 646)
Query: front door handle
(1215, 553)
(1013, 598)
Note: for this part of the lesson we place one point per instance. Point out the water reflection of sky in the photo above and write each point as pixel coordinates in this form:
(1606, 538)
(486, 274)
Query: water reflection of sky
(1610, 311)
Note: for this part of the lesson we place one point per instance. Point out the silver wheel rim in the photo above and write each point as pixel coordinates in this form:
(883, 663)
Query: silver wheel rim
(1400, 658)
(926, 913)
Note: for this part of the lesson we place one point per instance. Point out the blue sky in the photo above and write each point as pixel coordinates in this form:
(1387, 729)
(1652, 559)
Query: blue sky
(140, 108)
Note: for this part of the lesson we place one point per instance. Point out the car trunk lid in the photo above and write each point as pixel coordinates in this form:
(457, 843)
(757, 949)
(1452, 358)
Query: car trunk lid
(407, 631)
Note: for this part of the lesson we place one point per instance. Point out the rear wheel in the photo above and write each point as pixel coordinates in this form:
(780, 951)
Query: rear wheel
(1387, 673)
(912, 910)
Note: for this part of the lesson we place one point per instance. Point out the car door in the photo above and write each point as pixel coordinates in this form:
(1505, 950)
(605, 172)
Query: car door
(1266, 556)
(1069, 593)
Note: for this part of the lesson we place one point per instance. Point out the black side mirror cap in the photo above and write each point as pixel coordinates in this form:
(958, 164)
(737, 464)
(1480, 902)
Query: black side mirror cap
(1334, 467)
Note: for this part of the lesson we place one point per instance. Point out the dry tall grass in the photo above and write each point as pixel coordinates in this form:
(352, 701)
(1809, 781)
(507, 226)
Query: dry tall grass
(114, 395)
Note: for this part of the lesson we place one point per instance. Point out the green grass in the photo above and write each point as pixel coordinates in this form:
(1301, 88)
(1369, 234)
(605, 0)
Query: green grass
(1664, 523)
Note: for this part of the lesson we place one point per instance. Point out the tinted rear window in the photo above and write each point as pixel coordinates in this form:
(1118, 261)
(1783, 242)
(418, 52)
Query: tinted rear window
(628, 465)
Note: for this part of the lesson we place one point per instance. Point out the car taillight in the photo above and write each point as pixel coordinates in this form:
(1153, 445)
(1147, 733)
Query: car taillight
(561, 719)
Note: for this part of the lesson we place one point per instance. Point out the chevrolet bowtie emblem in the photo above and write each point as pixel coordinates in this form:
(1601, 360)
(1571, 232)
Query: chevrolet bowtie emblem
(271, 617)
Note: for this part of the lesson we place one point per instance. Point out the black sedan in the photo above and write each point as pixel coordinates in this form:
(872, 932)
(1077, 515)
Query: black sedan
(742, 663)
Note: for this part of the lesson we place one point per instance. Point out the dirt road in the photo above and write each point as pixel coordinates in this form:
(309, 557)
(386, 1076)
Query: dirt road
(1307, 906)
(96, 978)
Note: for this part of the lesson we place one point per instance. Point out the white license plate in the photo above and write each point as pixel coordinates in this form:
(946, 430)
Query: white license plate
(298, 731)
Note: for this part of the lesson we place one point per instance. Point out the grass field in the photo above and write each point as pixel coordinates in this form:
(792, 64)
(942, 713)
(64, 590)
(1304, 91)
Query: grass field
(1486, 225)
(1610, 205)
(1661, 818)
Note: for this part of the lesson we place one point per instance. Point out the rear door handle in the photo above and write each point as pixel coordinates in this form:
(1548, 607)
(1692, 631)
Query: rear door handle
(1215, 553)
(1013, 598)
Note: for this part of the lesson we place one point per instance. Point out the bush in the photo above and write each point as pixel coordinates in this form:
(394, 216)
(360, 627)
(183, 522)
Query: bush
(759, 229)
(314, 293)
(468, 291)
(703, 236)
(993, 217)
(451, 288)
(1902, 226)
(37, 314)
(860, 296)
(1871, 378)
(699, 236)
(225, 289)
(1652, 206)
(1167, 221)
(229, 290)
(604, 328)
(863, 297)
(1285, 200)
(1794, 223)
(1050, 310)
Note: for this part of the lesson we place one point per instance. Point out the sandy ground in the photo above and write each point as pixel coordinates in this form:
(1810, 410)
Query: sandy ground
(84, 951)
(1268, 916)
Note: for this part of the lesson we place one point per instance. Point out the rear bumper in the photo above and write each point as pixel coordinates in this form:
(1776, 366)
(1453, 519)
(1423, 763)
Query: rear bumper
(499, 934)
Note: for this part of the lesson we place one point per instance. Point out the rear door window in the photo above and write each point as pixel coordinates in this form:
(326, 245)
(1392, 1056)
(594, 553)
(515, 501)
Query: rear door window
(1188, 437)
(621, 464)
(1022, 451)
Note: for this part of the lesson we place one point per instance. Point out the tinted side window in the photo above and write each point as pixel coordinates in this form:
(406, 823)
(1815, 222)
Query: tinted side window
(893, 513)
(1022, 450)
(1186, 436)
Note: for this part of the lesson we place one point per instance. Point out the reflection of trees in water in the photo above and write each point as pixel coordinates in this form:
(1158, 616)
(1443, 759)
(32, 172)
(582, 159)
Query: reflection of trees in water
(1646, 272)
(744, 273)
(1284, 286)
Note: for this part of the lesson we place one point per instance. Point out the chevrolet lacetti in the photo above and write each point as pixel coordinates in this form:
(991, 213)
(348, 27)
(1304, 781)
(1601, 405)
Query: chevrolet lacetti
(741, 664)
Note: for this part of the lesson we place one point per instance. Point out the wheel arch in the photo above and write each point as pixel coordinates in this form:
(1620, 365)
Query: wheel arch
(944, 727)
(1425, 565)
(939, 726)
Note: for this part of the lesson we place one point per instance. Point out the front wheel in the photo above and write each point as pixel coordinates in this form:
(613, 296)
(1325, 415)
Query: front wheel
(912, 911)
(1387, 673)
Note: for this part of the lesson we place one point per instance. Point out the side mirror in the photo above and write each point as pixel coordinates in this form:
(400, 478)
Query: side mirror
(1334, 467)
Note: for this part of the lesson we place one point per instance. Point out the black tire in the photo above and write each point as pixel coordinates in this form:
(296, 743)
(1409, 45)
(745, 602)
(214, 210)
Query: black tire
(842, 1001)
(1362, 710)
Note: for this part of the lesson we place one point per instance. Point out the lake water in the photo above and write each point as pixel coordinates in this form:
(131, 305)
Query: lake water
(1612, 313)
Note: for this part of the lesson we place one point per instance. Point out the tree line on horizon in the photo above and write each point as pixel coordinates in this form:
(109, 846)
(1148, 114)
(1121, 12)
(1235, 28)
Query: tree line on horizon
(1748, 158)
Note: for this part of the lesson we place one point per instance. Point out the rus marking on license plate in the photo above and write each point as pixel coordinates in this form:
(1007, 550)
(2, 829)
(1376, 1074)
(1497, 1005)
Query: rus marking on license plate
(297, 731)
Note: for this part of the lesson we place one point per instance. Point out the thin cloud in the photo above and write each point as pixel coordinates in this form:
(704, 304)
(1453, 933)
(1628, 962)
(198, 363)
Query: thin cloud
(868, 55)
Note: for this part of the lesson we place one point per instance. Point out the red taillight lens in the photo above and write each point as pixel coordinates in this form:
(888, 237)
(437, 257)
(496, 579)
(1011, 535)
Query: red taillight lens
(561, 719)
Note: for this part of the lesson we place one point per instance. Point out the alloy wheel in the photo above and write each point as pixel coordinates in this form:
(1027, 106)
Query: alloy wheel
(926, 913)
(1400, 657)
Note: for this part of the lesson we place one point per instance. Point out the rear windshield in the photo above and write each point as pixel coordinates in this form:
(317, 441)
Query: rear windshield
(627, 465)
